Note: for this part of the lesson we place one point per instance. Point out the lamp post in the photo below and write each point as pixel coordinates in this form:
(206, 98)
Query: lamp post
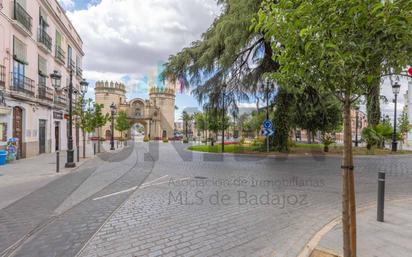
(395, 88)
(357, 126)
(223, 117)
(84, 85)
(56, 83)
(113, 113)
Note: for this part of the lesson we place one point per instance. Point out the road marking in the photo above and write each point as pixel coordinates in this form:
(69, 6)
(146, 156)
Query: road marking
(161, 183)
(117, 193)
(144, 185)
(154, 180)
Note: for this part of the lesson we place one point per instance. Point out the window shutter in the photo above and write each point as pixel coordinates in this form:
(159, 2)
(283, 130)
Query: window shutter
(19, 50)
(42, 66)
(58, 39)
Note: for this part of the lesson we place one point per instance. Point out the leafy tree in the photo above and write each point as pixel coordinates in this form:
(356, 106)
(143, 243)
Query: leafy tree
(201, 123)
(404, 126)
(334, 45)
(122, 123)
(315, 111)
(83, 119)
(99, 120)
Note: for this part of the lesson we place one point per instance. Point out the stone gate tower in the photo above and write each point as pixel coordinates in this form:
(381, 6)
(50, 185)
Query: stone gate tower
(164, 99)
(107, 93)
(156, 114)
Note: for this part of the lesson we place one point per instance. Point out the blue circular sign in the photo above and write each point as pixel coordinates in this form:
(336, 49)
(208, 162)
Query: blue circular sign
(267, 124)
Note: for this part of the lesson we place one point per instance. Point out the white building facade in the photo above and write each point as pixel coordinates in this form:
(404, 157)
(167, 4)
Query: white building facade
(36, 39)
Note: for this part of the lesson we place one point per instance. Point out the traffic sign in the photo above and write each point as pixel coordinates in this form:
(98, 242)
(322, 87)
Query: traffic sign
(267, 124)
(267, 132)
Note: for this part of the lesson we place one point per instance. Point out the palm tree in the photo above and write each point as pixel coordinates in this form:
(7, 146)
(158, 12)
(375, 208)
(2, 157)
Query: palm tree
(186, 119)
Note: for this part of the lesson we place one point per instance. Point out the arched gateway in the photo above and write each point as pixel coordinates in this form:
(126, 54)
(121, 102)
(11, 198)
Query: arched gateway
(156, 114)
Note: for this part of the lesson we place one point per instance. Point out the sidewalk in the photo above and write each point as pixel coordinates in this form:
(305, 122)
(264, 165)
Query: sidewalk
(391, 238)
(24, 176)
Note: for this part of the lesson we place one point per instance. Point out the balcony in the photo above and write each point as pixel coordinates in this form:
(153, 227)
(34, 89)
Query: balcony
(44, 41)
(2, 76)
(22, 87)
(60, 55)
(79, 72)
(45, 93)
(60, 101)
(22, 21)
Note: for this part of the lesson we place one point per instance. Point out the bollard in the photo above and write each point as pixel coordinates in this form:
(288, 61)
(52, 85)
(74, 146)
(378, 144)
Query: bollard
(117, 144)
(381, 196)
(78, 153)
(57, 162)
(94, 148)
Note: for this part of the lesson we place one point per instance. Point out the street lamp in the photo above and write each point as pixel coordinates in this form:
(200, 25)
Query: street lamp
(83, 90)
(223, 117)
(395, 89)
(56, 79)
(357, 126)
(113, 113)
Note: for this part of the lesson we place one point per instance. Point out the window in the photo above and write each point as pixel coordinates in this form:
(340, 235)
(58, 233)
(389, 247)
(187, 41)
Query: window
(42, 71)
(43, 25)
(69, 56)
(19, 63)
(3, 132)
(19, 50)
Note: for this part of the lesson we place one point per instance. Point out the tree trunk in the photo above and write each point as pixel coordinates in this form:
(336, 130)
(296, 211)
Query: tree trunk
(84, 143)
(373, 104)
(348, 186)
(98, 140)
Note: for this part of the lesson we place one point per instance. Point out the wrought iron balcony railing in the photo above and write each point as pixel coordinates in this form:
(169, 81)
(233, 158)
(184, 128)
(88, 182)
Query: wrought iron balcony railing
(60, 54)
(44, 38)
(2, 76)
(45, 93)
(21, 15)
(20, 83)
(60, 100)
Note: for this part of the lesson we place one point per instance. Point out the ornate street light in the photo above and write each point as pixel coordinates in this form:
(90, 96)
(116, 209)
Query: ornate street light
(395, 89)
(113, 113)
(56, 79)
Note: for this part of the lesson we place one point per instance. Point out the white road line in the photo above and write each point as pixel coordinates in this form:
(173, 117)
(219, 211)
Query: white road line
(144, 185)
(154, 180)
(117, 193)
(161, 183)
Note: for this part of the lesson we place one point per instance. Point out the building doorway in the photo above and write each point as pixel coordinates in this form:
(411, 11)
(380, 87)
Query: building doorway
(57, 135)
(42, 136)
(108, 134)
(18, 129)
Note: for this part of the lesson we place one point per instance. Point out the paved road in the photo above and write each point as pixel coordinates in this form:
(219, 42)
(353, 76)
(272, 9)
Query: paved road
(161, 200)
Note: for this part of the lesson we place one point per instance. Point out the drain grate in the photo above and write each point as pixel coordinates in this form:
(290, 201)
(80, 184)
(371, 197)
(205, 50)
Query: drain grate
(200, 177)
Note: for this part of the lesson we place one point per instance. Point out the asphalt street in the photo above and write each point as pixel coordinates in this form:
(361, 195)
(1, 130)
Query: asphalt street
(159, 199)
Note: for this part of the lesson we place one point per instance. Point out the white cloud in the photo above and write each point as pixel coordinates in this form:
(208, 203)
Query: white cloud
(130, 37)
(67, 4)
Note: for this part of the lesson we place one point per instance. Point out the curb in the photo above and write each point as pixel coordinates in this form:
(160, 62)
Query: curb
(310, 249)
(302, 155)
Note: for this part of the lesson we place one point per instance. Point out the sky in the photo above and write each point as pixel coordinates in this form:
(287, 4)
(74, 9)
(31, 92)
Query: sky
(127, 40)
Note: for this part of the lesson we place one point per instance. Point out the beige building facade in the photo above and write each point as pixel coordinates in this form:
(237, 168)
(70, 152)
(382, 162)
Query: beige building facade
(155, 114)
(36, 39)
